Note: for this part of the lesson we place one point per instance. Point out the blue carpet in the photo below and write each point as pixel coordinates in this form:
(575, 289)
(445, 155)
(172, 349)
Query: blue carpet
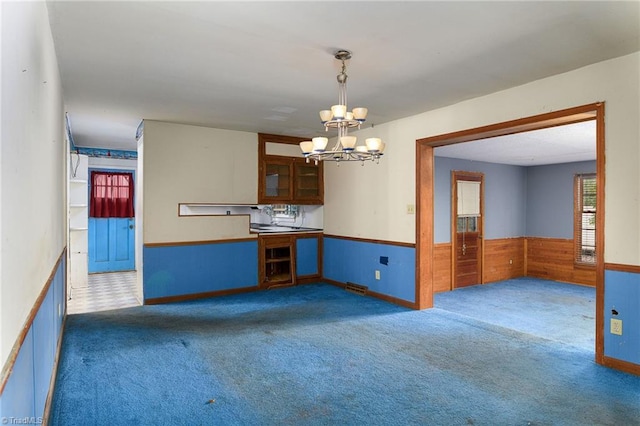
(548, 309)
(317, 355)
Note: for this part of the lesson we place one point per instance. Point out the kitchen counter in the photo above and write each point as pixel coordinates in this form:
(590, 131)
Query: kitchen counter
(263, 228)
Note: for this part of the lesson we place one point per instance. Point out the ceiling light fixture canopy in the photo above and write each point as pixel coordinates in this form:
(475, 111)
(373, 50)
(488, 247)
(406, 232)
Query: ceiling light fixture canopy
(340, 118)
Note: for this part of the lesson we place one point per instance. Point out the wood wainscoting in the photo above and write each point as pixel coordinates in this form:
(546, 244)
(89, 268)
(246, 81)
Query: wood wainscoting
(442, 267)
(552, 259)
(506, 258)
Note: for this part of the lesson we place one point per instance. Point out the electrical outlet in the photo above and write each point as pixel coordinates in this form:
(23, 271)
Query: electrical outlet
(616, 326)
(377, 274)
(411, 209)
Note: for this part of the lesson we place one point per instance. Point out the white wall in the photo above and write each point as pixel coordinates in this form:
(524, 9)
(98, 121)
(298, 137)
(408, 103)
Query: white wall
(32, 164)
(374, 204)
(192, 164)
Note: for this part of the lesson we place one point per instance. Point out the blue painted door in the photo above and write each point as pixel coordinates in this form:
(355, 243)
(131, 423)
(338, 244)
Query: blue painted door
(111, 244)
(111, 239)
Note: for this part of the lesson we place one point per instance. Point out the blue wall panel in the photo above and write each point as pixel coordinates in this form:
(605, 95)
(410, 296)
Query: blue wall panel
(25, 393)
(622, 293)
(18, 397)
(306, 256)
(356, 262)
(44, 338)
(199, 268)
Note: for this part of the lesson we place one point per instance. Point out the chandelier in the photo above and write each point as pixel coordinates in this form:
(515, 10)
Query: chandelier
(338, 117)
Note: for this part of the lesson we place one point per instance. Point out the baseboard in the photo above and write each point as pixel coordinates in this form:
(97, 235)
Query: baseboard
(625, 366)
(195, 296)
(386, 298)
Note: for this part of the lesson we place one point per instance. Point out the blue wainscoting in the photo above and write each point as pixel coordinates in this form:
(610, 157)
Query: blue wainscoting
(622, 293)
(180, 270)
(27, 388)
(346, 260)
(307, 256)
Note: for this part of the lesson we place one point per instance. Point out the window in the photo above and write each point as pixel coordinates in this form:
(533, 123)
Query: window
(111, 195)
(584, 225)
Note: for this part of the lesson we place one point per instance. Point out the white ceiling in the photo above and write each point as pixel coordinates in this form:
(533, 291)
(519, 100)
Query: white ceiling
(562, 144)
(268, 66)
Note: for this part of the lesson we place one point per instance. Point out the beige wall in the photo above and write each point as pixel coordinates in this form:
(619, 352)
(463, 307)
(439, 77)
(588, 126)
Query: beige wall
(192, 164)
(32, 164)
(373, 205)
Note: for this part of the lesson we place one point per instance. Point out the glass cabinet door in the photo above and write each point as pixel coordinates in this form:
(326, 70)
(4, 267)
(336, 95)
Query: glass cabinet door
(307, 182)
(277, 180)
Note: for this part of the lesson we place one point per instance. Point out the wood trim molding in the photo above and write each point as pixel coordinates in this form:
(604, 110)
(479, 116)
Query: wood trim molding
(195, 296)
(7, 369)
(263, 138)
(535, 122)
(367, 240)
(634, 269)
(627, 367)
(425, 170)
(390, 299)
(198, 243)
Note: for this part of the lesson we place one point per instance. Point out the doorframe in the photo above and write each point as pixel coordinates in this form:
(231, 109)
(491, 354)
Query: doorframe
(116, 169)
(425, 195)
(455, 176)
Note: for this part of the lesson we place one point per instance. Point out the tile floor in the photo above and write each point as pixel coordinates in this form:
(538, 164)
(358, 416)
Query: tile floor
(103, 292)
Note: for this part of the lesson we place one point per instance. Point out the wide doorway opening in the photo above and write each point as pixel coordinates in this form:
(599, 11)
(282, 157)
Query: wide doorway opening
(426, 247)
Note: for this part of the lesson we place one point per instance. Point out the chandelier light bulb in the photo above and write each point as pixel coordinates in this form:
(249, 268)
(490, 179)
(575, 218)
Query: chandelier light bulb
(325, 115)
(319, 144)
(373, 144)
(360, 114)
(339, 111)
(348, 143)
(306, 147)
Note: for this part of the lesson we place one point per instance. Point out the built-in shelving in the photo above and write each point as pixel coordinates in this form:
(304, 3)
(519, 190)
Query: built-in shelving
(78, 205)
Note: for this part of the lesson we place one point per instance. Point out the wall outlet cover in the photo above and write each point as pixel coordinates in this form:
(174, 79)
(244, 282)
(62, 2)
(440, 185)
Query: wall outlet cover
(616, 326)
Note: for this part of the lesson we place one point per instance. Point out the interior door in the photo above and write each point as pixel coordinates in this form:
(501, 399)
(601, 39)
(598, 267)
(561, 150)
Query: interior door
(111, 222)
(111, 244)
(467, 225)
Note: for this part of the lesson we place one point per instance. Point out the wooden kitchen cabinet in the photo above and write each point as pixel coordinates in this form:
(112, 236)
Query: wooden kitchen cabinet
(289, 259)
(286, 178)
(276, 260)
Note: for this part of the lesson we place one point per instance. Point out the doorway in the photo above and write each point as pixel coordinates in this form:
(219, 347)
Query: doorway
(111, 221)
(425, 196)
(467, 224)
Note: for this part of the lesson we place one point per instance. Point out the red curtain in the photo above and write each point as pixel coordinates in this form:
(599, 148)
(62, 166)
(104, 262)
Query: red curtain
(111, 194)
